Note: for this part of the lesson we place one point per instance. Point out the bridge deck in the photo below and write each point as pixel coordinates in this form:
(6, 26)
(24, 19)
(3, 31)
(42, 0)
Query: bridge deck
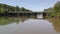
(27, 12)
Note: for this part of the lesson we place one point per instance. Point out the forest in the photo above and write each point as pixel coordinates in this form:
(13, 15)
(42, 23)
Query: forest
(8, 8)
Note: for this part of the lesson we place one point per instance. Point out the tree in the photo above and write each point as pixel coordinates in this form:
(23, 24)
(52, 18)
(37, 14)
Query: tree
(57, 10)
(17, 8)
(57, 7)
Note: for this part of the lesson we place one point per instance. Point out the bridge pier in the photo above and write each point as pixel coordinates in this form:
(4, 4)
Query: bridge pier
(44, 15)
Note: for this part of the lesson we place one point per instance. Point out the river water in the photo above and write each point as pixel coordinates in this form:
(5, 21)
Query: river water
(27, 26)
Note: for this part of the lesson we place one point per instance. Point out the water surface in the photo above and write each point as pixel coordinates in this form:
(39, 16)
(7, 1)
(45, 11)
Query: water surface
(27, 26)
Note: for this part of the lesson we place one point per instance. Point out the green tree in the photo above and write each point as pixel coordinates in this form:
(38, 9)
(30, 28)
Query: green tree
(57, 7)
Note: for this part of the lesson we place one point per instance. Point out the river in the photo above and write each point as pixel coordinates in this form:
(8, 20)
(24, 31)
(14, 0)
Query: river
(27, 26)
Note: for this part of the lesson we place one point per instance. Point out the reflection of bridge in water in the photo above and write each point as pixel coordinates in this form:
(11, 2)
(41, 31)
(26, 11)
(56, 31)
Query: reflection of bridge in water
(29, 14)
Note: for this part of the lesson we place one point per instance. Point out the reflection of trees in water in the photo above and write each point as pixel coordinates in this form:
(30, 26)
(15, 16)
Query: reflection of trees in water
(5, 21)
(22, 19)
(57, 26)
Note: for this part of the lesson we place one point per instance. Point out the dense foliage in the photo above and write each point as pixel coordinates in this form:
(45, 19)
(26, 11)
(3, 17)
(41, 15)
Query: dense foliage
(55, 10)
(6, 8)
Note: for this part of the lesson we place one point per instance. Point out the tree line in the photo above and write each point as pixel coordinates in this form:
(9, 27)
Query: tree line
(8, 8)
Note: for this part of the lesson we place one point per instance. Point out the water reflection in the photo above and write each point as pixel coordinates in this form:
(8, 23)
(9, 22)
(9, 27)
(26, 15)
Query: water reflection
(9, 20)
(10, 25)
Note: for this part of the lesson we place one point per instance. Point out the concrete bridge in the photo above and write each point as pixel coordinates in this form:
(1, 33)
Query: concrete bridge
(19, 14)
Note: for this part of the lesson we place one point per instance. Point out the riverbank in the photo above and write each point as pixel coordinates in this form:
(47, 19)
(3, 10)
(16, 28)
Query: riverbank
(53, 19)
(55, 22)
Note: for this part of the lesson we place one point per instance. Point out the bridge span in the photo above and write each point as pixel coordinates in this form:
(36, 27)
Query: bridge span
(16, 14)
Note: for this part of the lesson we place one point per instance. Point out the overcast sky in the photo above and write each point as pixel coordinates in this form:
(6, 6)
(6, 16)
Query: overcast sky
(35, 5)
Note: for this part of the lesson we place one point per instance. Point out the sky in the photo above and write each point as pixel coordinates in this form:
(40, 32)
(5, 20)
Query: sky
(34, 5)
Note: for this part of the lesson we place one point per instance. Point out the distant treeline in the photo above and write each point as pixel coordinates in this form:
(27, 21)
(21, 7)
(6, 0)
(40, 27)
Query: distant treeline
(7, 8)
